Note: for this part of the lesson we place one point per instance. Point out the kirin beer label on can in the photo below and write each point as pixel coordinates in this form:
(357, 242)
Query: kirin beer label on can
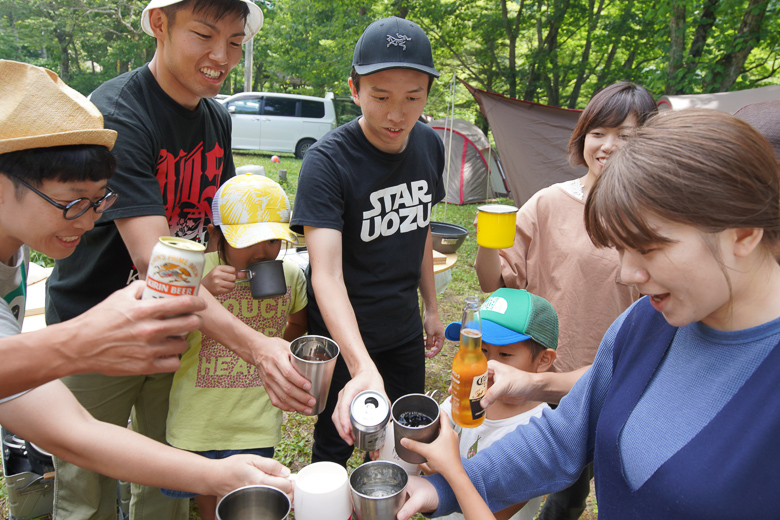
(175, 268)
(369, 414)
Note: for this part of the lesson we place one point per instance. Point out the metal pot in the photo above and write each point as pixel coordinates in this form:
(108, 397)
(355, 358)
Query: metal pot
(447, 238)
(14, 444)
(40, 460)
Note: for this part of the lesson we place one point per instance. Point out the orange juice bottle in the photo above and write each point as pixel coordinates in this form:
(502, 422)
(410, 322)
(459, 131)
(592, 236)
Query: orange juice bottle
(469, 370)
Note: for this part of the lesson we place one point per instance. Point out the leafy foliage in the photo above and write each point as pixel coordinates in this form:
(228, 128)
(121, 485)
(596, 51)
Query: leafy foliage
(557, 52)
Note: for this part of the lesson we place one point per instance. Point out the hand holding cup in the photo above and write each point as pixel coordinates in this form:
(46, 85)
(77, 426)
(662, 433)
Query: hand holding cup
(443, 453)
(414, 416)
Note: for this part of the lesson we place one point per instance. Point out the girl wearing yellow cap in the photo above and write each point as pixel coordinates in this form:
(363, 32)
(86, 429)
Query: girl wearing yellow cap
(218, 406)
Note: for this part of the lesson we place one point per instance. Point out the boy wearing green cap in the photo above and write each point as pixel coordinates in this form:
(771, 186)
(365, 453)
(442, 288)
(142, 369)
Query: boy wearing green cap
(519, 329)
(364, 201)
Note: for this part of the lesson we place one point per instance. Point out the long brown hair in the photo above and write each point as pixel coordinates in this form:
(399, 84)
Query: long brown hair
(608, 108)
(701, 168)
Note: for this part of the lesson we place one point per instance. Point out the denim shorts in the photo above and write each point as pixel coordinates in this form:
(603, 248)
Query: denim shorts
(218, 454)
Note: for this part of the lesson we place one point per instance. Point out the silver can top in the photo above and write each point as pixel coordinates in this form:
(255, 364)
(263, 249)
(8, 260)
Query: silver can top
(369, 408)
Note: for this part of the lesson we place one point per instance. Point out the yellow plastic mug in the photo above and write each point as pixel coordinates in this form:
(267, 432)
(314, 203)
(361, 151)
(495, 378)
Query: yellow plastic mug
(496, 226)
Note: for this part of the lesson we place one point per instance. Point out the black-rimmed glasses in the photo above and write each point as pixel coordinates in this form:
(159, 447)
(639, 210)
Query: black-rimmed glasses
(75, 208)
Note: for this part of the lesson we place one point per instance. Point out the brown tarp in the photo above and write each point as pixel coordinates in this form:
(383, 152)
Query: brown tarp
(532, 140)
(723, 101)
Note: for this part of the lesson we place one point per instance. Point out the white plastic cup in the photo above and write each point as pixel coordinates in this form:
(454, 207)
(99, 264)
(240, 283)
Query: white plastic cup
(322, 492)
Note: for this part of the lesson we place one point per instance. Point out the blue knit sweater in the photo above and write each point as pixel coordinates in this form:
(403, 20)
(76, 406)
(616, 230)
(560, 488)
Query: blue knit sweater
(686, 388)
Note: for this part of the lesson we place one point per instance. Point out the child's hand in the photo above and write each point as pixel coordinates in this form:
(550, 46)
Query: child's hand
(220, 280)
(442, 454)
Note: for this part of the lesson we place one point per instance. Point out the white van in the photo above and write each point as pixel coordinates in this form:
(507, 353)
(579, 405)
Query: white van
(276, 122)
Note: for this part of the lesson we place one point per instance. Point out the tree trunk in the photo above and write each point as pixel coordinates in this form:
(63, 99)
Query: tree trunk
(706, 22)
(676, 46)
(594, 17)
(730, 66)
(545, 55)
(533, 73)
(511, 35)
(64, 43)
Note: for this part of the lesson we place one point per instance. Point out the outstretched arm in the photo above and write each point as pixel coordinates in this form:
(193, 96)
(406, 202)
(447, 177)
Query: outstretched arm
(444, 458)
(434, 328)
(285, 386)
(327, 278)
(122, 335)
(513, 386)
(50, 417)
(488, 266)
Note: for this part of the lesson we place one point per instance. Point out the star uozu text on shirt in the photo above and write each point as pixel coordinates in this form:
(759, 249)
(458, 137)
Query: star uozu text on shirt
(398, 209)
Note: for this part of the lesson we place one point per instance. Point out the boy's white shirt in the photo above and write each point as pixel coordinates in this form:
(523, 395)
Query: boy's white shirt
(472, 440)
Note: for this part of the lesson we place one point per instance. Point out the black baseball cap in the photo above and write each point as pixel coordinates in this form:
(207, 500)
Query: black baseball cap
(393, 43)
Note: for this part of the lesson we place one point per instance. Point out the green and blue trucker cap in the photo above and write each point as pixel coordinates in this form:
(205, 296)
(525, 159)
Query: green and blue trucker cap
(514, 315)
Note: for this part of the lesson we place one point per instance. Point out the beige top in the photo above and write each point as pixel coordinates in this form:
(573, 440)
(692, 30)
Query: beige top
(554, 258)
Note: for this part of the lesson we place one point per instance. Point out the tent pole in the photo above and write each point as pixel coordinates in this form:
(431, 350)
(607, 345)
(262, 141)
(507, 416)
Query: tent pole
(449, 120)
(489, 176)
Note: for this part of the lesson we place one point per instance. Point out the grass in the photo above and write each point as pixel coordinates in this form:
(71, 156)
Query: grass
(295, 448)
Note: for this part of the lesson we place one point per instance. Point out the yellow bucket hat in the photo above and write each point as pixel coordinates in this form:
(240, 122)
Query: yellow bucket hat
(38, 110)
(250, 209)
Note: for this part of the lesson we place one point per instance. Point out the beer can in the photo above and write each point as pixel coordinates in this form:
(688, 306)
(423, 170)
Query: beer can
(369, 414)
(175, 268)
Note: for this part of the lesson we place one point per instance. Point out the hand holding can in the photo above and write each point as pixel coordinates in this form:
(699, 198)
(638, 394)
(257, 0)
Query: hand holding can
(175, 268)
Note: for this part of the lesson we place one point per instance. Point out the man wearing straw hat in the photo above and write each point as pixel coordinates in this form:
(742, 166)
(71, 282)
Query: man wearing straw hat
(173, 151)
(54, 166)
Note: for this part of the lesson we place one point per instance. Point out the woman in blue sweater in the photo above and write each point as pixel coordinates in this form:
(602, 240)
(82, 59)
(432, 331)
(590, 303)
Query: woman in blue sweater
(680, 411)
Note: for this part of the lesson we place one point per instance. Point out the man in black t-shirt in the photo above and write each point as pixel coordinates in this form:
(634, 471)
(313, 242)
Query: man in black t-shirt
(364, 201)
(173, 151)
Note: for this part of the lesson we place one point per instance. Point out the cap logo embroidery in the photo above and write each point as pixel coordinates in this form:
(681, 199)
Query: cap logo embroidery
(399, 40)
(495, 304)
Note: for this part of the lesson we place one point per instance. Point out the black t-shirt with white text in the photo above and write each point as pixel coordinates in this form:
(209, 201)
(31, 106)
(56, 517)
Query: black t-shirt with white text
(170, 162)
(381, 203)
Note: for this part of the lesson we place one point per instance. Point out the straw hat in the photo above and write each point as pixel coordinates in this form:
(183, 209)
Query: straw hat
(38, 110)
(252, 26)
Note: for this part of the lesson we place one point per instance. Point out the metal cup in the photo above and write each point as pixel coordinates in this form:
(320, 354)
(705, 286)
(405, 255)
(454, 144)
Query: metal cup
(419, 403)
(496, 226)
(315, 358)
(266, 279)
(378, 490)
(254, 503)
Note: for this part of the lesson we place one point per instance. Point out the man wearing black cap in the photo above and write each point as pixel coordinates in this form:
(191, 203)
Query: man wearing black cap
(364, 201)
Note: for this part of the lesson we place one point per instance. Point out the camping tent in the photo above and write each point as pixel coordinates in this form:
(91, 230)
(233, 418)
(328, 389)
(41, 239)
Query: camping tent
(472, 169)
(532, 139)
(724, 101)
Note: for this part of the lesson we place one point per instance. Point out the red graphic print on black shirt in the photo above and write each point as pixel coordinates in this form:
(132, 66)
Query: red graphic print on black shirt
(188, 187)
